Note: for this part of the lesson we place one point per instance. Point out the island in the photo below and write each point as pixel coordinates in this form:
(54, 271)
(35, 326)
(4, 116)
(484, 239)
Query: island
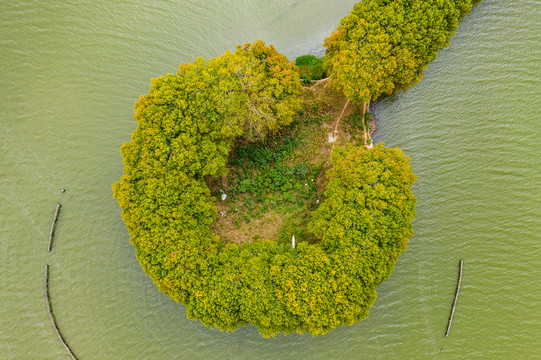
(252, 191)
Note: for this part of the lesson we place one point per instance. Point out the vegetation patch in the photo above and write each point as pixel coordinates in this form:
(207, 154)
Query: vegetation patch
(273, 184)
(310, 68)
(232, 158)
(266, 186)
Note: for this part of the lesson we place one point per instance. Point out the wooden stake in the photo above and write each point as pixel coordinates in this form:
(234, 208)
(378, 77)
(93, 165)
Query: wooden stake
(51, 316)
(53, 226)
(456, 298)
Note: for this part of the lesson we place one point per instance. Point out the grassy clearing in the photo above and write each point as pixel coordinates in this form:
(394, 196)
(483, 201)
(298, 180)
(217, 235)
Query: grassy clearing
(273, 185)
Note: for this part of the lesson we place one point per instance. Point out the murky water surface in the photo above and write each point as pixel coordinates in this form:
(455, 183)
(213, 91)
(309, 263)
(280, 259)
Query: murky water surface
(71, 71)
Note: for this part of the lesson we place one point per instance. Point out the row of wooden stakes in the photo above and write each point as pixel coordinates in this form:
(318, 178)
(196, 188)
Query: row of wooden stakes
(47, 298)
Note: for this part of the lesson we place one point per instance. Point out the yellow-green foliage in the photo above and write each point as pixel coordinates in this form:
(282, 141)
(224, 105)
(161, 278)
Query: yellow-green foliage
(368, 208)
(187, 124)
(186, 127)
(384, 46)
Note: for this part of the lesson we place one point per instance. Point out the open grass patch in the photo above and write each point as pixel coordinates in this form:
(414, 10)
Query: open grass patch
(271, 184)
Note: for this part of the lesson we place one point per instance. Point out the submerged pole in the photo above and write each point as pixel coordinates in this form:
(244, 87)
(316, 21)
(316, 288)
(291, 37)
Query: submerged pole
(51, 316)
(456, 298)
(51, 234)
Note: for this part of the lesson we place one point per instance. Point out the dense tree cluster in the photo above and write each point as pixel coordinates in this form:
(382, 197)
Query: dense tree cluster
(184, 134)
(383, 46)
(363, 224)
(187, 125)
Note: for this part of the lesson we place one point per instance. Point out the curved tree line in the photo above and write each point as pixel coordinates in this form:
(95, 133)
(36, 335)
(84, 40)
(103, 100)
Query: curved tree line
(384, 46)
(187, 126)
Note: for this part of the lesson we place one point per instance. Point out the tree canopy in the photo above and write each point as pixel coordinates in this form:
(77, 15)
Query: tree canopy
(363, 224)
(187, 126)
(384, 46)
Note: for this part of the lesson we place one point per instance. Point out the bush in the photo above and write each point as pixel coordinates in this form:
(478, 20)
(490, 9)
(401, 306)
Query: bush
(310, 67)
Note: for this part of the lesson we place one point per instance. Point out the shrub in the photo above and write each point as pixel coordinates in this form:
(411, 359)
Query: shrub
(310, 67)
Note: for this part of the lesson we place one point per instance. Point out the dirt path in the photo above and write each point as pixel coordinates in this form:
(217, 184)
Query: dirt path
(333, 135)
(340, 117)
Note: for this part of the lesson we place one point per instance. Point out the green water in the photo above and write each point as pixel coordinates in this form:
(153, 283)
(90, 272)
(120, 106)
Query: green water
(70, 74)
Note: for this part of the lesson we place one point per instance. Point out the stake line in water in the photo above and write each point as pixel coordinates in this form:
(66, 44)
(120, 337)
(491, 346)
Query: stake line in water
(456, 298)
(51, 234)
(51, 316)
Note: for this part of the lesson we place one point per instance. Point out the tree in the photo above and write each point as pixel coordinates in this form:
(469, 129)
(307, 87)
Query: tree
(367, 201)
(383, 47)
(265, 90)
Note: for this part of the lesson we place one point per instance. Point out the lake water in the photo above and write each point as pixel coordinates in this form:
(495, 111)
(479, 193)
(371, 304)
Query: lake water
(70, 73)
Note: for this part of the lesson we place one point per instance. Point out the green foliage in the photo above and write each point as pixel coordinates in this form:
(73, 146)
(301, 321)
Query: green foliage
(301, 170)
(329, 279)
(187, 126)
(264, 152)
(310, 67)
(383, 47)
(261, 171)
(368, 203)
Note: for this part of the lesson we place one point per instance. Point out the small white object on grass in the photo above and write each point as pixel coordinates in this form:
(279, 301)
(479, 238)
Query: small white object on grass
(293, 241)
